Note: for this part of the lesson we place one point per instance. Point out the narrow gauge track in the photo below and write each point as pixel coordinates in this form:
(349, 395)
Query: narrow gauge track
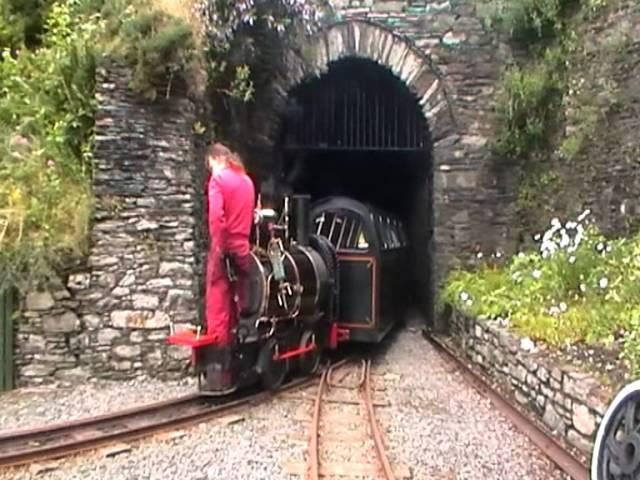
(568, 463)
(20, 447)
(362, 389)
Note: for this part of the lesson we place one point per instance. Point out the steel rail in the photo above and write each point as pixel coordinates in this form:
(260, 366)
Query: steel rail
(364, 386)
(63, 439)
(375, 429)
(545, 442)
(313, 469)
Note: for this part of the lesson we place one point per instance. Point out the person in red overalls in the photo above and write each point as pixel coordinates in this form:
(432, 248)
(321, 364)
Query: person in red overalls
(231, 200)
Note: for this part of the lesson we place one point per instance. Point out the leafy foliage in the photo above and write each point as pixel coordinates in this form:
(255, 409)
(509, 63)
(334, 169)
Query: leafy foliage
(577, 287)
(47, 100)
(46, 119)
(528, 106)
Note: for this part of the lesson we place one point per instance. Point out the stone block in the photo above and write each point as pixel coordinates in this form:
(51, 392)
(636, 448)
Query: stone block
(39, 301)
(178, 352)
(32, 344)
(159, 283)
(579, 441)
(79, 281)
(153, 358)
(73, 375)
(92, 321)
(139, 319)
(126, 352)
(583, 420)
(552, 419)
(579, 385)
(106, 336)
(37, 370)
(65, 323)
(143, 301)
(174, 268)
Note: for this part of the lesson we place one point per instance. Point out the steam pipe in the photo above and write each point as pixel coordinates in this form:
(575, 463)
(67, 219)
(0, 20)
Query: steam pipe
(301, 208)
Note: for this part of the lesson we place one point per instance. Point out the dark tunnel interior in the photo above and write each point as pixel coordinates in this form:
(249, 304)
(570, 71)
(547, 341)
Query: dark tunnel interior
(358, 131)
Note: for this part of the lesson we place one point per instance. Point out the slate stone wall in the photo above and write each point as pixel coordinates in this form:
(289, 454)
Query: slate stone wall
(568, 402)
(147, 242)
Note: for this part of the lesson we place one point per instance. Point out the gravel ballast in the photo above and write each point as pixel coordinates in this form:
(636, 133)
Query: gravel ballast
(436, 424)
(38, 406)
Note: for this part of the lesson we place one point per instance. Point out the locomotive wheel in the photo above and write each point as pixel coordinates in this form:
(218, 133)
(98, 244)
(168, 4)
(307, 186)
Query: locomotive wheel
(309, 362)
(272, 372)
(616, 450)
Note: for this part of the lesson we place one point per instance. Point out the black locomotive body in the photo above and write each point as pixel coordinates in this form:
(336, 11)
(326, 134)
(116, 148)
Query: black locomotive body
(319, 275)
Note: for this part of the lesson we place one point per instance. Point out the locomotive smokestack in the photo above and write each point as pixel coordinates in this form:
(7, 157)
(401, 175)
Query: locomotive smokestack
(301, 209)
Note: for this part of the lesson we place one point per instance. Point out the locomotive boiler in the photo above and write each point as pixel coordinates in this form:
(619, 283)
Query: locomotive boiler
(319, 275)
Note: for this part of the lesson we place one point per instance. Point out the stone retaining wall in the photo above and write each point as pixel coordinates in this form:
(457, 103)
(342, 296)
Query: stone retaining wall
(570, 403)
(111, 318)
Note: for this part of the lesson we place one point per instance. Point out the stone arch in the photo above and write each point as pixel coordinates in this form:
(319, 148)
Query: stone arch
(368, 40)
(412, 67)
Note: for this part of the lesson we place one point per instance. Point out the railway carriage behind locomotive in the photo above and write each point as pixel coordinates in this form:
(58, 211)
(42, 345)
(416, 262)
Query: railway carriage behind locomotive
(320, 275)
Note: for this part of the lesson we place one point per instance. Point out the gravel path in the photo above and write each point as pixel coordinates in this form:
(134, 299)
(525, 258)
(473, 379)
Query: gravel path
(436, 425)
(38, 406)
(442, 428)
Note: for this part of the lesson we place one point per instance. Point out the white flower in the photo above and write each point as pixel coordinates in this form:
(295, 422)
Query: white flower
(583, 287)
(537, 237)
(600, 247)
(520, 255)
(499, 254)
(479, 255)
(584, 215)
(572, 259)
(464, 296)
(469, 302)
(536, 274)
(563, 307)
(604, 281)
(527, 344)
(609, 248)
(554, 311)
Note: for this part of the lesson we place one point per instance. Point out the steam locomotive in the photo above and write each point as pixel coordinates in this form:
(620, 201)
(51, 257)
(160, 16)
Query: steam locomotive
(320, 275)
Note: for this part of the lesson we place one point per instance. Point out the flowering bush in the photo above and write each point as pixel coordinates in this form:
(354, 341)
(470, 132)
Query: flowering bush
(576, 287)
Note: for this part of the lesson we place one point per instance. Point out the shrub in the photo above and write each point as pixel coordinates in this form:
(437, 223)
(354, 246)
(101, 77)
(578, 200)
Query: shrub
(46, 120)
(528, 107)
(577, 287)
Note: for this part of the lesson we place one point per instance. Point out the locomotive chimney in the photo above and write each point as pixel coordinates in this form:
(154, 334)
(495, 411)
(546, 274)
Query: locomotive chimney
(301, 209)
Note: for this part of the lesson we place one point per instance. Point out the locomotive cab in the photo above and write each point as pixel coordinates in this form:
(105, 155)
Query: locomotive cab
(372, 251)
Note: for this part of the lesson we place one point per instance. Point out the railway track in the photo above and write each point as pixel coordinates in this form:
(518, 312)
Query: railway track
(62, 439)
(559, 455)
(348, 439)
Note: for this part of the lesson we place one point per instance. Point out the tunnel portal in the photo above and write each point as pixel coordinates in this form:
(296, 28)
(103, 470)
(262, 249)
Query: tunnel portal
(358, 131)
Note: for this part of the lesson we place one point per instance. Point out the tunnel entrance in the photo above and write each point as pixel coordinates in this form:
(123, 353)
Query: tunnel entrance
(358, 131)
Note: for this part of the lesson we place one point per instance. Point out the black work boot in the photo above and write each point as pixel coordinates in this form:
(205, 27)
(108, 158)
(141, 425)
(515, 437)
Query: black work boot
(228, 378)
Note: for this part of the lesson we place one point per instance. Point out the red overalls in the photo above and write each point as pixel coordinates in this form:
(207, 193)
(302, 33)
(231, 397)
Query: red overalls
(231, 200)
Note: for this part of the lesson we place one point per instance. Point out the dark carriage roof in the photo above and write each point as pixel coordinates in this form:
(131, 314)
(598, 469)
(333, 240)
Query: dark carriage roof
(385, 231)
(363, 209)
